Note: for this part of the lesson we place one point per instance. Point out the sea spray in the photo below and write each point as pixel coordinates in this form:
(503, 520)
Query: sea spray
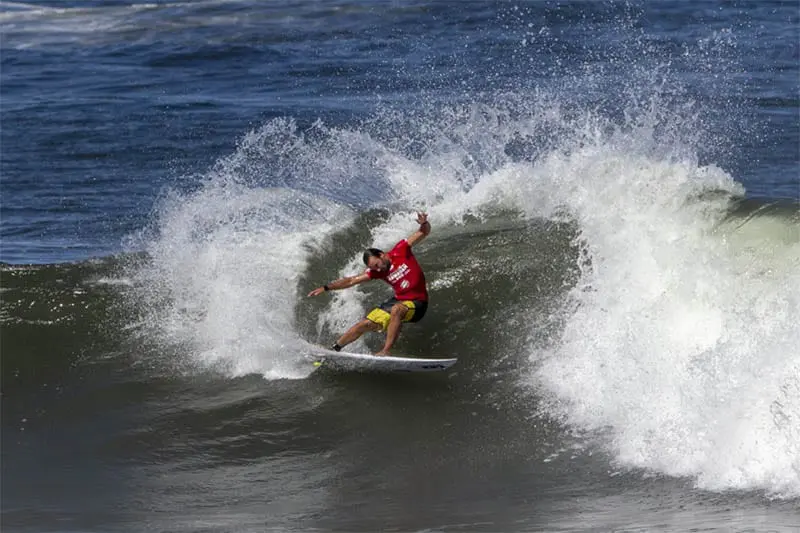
(680, 341)
(220, 281)
(677, 343)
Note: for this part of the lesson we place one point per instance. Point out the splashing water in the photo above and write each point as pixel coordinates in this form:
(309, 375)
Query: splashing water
(678, 343)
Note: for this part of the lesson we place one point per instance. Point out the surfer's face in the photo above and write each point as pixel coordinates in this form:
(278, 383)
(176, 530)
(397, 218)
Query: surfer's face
(379, 264)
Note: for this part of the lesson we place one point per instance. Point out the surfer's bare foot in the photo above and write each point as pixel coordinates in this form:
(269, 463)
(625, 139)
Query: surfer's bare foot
(382, 353)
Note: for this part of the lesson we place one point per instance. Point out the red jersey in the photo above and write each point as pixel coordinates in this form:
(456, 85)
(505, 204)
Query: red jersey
(404, 275)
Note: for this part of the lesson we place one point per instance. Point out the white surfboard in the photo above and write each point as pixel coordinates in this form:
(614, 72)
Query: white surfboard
(377, 363)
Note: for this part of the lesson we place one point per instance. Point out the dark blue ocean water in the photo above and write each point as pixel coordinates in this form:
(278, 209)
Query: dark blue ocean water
(104, 104)
(615, 261)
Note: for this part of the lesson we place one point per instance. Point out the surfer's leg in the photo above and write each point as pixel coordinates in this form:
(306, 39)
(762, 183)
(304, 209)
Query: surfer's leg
(393, 331)
(356, 331)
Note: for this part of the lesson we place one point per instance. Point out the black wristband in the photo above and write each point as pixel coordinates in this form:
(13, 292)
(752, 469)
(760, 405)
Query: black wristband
(326, 287)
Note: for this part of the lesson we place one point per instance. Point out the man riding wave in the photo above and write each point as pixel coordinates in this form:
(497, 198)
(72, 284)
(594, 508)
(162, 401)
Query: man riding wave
(399, 268)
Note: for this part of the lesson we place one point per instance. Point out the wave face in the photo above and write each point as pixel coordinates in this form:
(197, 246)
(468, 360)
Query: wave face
(656, 312)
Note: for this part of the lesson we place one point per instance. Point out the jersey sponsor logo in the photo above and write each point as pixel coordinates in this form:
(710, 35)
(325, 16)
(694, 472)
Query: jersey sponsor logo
(401, 271)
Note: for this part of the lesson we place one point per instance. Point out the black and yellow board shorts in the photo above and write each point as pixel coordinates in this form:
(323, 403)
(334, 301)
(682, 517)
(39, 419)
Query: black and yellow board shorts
(382, 314)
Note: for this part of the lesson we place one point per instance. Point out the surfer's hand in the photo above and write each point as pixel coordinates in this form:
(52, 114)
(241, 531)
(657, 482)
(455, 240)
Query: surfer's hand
(317, 291)
(422, 218)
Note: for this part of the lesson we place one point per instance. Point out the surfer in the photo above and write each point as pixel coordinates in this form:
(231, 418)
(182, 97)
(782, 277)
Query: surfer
(399, 268)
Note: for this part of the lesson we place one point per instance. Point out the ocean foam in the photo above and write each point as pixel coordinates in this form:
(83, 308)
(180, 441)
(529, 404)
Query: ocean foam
(682, 336)
(680, 340)
(680, 344)
(222, 276)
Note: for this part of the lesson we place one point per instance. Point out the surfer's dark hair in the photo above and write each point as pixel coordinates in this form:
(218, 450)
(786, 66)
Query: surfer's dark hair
(371, 252)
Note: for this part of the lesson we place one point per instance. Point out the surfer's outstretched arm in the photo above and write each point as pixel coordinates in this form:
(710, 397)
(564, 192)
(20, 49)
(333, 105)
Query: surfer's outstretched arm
(341, 283)
(422, 232)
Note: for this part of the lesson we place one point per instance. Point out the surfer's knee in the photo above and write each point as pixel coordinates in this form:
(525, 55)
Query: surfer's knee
(369, 325)
(399, 310)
